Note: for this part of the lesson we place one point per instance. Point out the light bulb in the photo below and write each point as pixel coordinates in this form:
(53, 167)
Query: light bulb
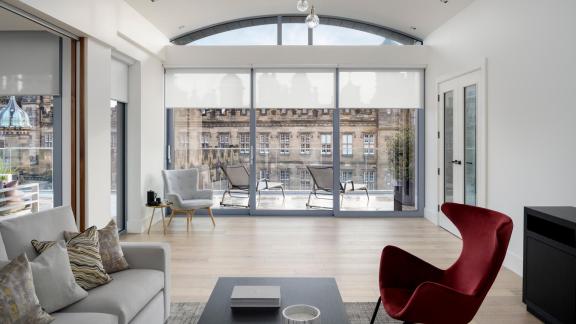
(302, 5)
(312, 20)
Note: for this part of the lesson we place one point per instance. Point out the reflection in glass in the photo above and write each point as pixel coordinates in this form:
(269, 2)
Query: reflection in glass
(253, 35)
(294, 34)
(470, 145)
(448, 146)
(26, 153)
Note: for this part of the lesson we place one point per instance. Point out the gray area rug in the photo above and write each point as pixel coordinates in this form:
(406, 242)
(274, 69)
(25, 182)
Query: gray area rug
(358, 313)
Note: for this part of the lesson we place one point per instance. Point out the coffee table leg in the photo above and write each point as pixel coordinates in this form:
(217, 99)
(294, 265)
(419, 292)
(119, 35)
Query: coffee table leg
(151, 219)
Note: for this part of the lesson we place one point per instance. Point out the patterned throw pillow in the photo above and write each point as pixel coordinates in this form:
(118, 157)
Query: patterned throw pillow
(18, 301)
(110, 250)
(85, 260)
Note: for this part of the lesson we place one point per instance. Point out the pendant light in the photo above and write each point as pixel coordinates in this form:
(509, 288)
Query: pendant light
(302, 5)
(312, 20)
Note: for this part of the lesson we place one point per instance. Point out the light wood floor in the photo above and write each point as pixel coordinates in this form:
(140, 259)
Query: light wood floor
(347, 249)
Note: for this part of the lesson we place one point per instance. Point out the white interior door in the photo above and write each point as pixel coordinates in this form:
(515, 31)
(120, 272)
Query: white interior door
(460, 139)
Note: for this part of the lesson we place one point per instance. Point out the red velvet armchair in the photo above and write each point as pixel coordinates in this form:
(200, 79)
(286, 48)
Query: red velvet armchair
(415, 291)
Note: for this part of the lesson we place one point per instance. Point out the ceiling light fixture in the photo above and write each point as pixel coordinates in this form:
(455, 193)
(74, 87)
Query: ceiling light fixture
(312, 20)
(302, 5)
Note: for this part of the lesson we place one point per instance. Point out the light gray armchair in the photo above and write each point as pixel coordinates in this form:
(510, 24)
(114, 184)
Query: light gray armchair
(182, 190)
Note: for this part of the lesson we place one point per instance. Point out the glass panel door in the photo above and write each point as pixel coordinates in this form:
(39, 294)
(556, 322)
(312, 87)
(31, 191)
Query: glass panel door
(470, 144)
(448, 146)
(117, 192)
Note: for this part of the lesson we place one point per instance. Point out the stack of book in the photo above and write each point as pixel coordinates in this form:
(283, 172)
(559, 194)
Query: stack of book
(255, 296)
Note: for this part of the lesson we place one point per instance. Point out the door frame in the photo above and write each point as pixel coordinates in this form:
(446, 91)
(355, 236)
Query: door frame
(481, 135)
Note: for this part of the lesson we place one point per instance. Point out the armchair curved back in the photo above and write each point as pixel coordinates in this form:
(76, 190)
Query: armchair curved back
(485, 236)
(182, 182)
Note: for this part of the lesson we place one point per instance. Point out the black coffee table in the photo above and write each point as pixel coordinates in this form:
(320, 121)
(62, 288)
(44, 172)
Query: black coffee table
(320, 292)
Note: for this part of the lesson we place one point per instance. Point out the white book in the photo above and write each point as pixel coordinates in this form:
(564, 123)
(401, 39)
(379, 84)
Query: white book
(255, 296)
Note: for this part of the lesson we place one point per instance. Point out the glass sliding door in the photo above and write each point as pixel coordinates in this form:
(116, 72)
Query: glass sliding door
(294, 112)
(117, 152)
(281, 141)
(378, 123)
(209, 128)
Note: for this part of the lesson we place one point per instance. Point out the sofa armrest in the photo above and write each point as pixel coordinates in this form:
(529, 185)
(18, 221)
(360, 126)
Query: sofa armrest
(153, 256)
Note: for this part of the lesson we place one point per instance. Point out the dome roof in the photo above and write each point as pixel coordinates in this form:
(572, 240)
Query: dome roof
(12, 116)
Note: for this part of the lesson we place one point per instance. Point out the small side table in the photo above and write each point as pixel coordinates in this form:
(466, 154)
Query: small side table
(161, 207)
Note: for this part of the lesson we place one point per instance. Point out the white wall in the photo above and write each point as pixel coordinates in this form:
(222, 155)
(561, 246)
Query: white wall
(302, 56)
(98, 137)
(531, 63)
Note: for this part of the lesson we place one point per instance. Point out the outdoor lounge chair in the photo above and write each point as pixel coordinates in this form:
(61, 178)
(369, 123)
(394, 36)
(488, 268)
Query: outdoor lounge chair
(323, 177)
(239, 183)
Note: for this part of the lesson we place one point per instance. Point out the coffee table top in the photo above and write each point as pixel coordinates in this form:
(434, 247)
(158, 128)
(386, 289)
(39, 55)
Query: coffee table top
(320, 292)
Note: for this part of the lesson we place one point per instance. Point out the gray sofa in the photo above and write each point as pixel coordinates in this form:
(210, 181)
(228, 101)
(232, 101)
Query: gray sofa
(137, 295)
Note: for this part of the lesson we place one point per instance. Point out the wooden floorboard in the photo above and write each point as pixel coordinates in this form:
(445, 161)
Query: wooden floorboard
(347, 249)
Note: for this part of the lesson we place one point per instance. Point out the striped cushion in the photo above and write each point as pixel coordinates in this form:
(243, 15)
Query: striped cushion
(85, 260)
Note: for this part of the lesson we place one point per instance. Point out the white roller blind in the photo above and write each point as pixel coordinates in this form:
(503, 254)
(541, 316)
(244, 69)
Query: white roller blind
(381, 89)
(29, 63)
(193, 88)
(294, 88)
(119, 81)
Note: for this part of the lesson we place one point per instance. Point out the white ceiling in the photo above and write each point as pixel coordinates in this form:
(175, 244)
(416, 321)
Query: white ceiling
(176, 17)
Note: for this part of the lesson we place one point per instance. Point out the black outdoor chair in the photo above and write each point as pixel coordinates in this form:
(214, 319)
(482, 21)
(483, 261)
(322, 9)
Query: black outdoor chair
(239, 183)
(323, 177)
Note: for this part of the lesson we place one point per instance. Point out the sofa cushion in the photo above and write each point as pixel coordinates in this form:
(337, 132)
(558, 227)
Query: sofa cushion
(84, 318)
(128, 292)
(48, 225)
(85, 261)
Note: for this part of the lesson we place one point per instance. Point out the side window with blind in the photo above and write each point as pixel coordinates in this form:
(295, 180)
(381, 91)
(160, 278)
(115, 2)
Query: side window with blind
(30, 121)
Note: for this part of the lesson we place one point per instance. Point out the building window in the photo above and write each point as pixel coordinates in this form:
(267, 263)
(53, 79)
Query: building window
(326, 142)
(304, 177)
(370, 179)
(244, 143)
(305, 140)
(224, 140)
(285, 177)
(345, 175)
(369, 143)
(264, 143)
(49, 140)
(264, 174)
(205, 140)
(284, 143)
(347, 144)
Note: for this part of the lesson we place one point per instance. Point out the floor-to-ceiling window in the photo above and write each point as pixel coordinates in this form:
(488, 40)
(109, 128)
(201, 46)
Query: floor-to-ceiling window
(117, 167)
(30, 121)
(297, 141)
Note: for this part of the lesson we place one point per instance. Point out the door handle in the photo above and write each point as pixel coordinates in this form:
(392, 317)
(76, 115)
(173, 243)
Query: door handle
(457, 162)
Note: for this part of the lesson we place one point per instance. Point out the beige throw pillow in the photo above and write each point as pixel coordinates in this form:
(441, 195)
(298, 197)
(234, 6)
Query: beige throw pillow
(110, 249)
(18, 301)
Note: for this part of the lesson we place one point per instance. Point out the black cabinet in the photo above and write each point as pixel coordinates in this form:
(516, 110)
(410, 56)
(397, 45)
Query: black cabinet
(550, 263)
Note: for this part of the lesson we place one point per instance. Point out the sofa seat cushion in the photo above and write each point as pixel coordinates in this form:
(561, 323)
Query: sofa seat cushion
(84, 318)
(196, 203)
(124, 296)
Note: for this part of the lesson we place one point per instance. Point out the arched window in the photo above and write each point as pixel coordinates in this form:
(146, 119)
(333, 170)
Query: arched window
(291, 30)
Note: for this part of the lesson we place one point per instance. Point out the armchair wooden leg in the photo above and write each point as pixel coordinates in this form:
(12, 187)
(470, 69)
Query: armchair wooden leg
(376, 310)
(187, 222)
(211, 216)
(163, 221)
(172, 213)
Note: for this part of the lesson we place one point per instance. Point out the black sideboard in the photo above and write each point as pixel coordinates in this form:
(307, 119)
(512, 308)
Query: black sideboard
(550, 263)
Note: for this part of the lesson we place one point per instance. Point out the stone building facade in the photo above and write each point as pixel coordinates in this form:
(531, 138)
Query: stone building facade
(287, 140)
